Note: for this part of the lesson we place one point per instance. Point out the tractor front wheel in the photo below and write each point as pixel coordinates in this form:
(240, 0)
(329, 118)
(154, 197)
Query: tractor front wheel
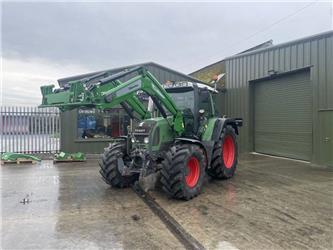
(109, 166)
(225, 154)
(183, 171)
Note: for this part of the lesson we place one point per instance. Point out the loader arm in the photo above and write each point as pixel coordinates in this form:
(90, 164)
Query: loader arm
(110, 92)
(81, 93)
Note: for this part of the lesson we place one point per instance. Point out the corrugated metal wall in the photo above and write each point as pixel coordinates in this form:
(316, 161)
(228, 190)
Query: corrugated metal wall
(316, 52)
(69, 141)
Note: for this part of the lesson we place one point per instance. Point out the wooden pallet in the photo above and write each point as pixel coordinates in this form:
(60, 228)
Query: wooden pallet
(19, 161)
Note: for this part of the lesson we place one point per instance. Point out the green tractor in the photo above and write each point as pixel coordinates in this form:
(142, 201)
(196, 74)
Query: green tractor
(174, 142)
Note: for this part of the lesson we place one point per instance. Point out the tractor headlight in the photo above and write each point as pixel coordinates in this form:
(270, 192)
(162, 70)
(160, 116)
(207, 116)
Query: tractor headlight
(146, 140)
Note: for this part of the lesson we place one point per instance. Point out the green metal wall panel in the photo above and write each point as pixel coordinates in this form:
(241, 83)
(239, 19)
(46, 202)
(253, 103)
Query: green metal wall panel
(315, 51)
(283, 116)
(326, 137)
(329, 72)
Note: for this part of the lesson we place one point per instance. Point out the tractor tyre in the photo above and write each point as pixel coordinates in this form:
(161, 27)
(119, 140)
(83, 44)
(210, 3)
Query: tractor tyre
(109, 166)
(225, 155)
(183, 171)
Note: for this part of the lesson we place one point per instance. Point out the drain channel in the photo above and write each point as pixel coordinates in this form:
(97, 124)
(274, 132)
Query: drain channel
(174, 227)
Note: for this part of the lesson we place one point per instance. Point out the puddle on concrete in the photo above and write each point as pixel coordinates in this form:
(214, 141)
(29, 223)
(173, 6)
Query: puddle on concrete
(270, 204)
(69, 206)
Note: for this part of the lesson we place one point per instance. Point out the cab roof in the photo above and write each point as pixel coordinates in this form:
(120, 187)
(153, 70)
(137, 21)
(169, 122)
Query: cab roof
(186, 84)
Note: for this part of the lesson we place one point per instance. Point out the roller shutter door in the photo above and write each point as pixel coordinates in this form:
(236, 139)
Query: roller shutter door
(283, 116)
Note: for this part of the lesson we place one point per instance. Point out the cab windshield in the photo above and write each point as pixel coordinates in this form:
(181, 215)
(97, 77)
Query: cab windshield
(183, 100)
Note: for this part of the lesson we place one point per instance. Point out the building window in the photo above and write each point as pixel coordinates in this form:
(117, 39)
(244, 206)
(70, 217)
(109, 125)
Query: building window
(101, 124)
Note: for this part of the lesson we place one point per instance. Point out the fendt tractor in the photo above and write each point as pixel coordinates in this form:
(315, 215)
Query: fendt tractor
(172, 142)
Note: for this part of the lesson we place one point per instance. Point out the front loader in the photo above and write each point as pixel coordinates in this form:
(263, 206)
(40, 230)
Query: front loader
(175, 147)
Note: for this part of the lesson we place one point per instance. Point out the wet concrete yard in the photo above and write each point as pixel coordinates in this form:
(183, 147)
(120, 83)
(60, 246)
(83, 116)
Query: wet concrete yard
(269, 204)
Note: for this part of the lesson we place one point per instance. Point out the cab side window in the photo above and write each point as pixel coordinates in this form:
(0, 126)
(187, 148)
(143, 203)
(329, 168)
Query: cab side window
(205, 102)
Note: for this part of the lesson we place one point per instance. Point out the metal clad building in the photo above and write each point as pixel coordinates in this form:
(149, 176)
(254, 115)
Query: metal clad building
(285, 95)
(71, 131)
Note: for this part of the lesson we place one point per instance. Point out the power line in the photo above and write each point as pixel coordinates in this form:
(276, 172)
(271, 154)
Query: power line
(265, 28)
(277, 22)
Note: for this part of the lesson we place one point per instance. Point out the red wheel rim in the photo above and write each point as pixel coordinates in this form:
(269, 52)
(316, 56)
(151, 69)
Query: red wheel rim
(193, 172)
(228, 151)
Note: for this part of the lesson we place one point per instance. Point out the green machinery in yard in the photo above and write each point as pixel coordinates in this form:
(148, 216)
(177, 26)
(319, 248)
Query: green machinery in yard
(18, 157)
(67, 157)
(176, 146)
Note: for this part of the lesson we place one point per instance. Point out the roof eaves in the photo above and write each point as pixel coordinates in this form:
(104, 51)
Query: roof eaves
(266, 44)
(324, 34)
(177, 72)
(207, 66)
(308, 38)
(62, 81)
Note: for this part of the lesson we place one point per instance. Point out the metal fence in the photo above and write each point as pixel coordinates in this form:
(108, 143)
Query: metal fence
(29, 130)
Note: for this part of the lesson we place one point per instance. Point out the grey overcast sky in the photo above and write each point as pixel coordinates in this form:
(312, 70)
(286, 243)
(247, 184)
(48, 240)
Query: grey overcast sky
(42, 42)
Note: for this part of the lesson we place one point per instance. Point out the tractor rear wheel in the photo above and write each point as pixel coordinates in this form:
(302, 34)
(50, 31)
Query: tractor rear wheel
(109, 166)
(183, 171)
(225, 154)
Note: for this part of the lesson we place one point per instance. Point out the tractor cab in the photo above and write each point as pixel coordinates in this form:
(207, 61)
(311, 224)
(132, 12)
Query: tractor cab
(195, 101)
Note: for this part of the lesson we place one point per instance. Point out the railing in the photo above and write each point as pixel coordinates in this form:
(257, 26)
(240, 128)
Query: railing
(29, 130)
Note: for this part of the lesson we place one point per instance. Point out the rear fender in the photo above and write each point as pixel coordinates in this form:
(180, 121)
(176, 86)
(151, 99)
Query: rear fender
(221, 123)
(212, 137)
